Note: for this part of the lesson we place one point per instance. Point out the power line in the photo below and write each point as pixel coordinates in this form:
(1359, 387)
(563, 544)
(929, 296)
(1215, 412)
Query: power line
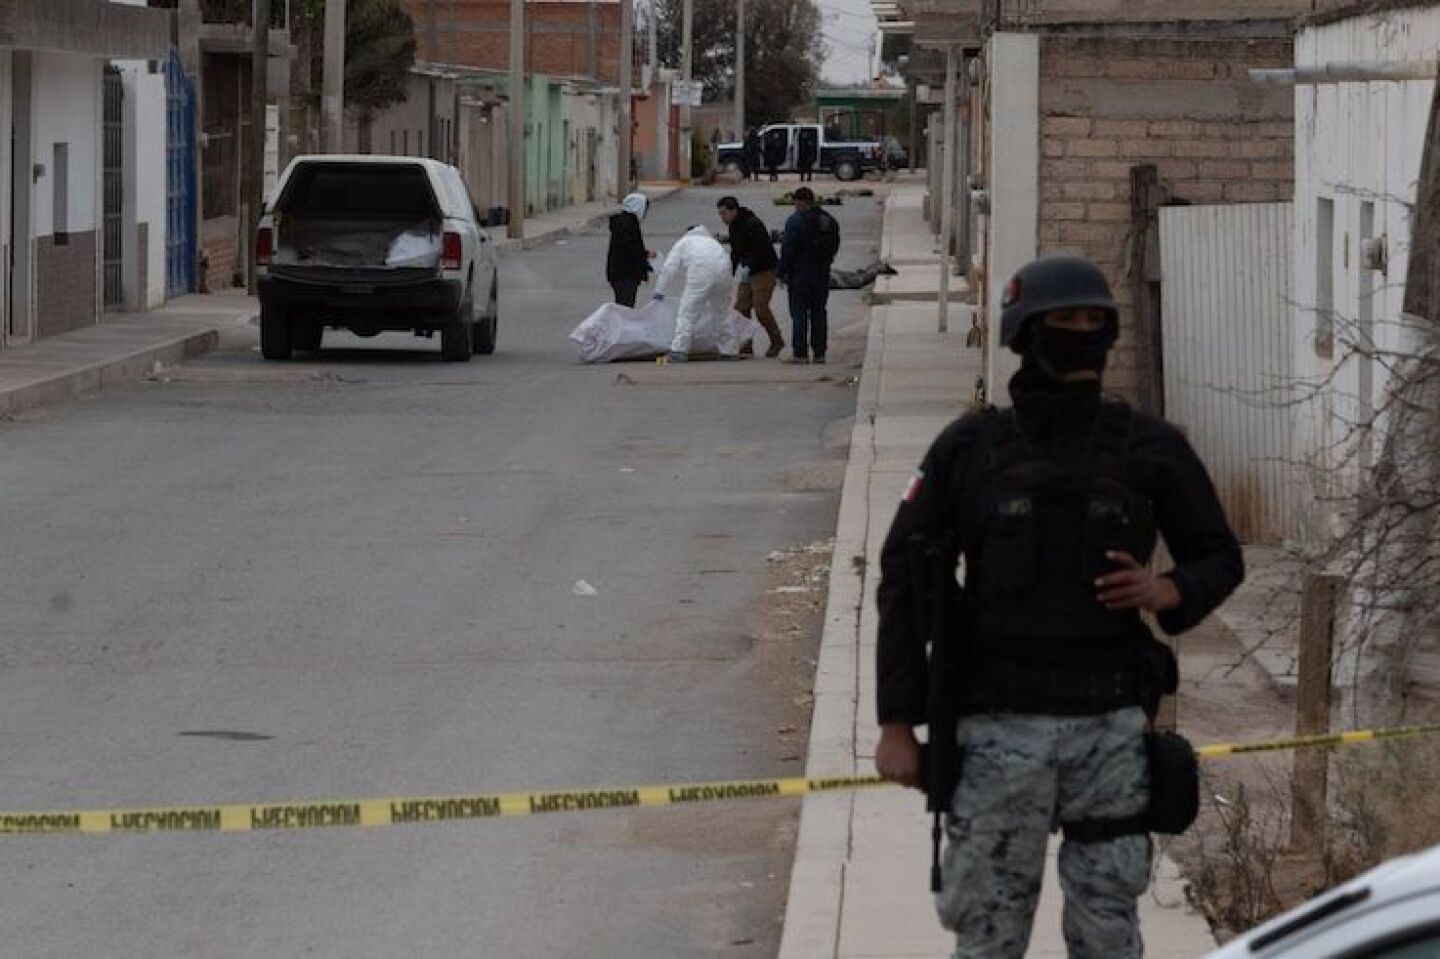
(837, 12)
(847, 44)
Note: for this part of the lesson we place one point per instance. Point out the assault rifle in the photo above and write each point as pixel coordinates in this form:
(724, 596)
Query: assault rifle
(939, 610)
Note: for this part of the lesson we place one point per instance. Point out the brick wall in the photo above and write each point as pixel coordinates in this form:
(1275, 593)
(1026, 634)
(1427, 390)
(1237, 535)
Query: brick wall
(220, 245)
(557, 36)
(65, 283)
(1188, 107)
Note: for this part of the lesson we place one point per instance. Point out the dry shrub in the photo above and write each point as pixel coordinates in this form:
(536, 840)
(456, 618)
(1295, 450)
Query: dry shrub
(1385, 803)
(1238, 846)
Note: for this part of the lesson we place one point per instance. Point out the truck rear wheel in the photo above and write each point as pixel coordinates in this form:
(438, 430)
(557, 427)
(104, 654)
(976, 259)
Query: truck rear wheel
(847, 169)
(455, 338)
(308, 337)
(276, 342)
(486, 328)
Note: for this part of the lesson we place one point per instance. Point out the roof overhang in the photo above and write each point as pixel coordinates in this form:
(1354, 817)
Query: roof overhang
(96, 27)
(239, 39)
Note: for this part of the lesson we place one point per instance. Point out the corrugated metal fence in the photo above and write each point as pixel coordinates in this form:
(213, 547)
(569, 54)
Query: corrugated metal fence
(1228, 346)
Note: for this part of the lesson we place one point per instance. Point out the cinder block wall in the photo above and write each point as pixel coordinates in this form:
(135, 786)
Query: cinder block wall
(1188, 107)
(558, 36)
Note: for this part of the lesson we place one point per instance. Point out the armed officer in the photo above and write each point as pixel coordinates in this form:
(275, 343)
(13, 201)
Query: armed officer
(1041, 520)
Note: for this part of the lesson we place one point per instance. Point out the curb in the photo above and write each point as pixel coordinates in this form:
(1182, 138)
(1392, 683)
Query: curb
(880, 298)
(508, 244)
(125, 368)
(817, 878)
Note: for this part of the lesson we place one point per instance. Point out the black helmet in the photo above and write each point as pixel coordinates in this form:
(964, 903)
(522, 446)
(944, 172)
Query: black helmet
(1058, 282)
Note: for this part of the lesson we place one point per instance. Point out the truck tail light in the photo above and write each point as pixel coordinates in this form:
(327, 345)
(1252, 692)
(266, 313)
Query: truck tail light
(264, 246)
(451, 252)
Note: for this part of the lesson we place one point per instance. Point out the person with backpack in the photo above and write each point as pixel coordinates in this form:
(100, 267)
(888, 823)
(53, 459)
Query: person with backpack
(1041, 671)
(807, 248)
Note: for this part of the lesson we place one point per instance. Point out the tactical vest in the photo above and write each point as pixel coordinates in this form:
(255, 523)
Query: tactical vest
(1042, 529)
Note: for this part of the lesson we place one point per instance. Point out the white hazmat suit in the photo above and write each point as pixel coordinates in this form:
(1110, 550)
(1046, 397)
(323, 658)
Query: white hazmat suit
(698, 268)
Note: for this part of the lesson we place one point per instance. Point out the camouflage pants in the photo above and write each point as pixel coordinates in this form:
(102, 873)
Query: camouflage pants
(1023, 775)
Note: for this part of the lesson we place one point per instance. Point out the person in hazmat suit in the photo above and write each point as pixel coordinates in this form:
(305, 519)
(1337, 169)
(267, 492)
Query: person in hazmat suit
(698, 269)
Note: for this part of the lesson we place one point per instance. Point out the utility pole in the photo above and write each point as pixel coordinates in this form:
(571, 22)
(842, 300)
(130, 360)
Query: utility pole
(654, 39)
(333, 79)
(947, 187)
(259, 95)
(592, 34)
(627, 63)
(516, 179)
(687, 40)
(740, 70)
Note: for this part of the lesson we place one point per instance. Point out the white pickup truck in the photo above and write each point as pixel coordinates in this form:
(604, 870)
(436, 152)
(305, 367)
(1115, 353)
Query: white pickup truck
(374, 243)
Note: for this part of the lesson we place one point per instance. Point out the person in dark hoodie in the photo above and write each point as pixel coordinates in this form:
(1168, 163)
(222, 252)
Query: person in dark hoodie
(627, 265)
(753, 261)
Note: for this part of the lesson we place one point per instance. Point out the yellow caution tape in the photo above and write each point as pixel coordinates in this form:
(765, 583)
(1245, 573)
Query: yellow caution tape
(400, 811)
(407, 810)
(1221, 750)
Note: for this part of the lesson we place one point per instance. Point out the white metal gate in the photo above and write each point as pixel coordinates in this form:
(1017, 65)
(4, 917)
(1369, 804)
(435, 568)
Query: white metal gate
(1227, 344)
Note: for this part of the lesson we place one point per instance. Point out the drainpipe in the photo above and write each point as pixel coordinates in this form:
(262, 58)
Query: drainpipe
(1350, 71)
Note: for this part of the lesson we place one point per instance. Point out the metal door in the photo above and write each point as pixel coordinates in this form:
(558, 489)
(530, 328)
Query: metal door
(807, 148)
(112, 159)
(180, 234)
(1227, 344)
(777, 148)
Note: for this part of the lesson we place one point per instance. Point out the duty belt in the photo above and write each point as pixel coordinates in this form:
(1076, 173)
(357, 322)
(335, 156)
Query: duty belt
(1007, 686)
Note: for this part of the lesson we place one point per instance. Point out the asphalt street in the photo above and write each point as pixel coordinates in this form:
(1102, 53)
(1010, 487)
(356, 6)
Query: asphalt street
(354, 575)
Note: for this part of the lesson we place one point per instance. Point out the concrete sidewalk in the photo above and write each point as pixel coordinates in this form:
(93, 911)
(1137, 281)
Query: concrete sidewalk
(122, 348)
(860, 885)
(558, 224)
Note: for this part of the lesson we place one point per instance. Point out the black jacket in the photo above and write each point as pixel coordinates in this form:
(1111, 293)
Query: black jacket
(1161, 466)
(807, 248)
(750, 243)
(627, 259)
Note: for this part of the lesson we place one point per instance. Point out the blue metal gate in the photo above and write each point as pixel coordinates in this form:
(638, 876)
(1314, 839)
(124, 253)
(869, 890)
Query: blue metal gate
(181, 241)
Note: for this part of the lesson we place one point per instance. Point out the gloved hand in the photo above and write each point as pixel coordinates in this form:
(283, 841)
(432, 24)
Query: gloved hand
(744, 274)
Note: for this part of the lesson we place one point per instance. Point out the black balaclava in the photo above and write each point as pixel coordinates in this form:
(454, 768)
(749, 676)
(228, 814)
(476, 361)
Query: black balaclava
(1068, 357)
(1046, 389)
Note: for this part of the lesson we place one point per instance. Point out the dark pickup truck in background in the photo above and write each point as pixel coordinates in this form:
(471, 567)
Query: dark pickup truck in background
(846, 159)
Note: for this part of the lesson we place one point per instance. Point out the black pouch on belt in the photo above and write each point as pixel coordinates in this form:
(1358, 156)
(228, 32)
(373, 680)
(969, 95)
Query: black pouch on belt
(1174, 795)
(1174, 783)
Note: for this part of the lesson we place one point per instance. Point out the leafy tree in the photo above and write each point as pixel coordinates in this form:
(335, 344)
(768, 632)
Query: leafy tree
(379, 51)
(784, 48)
